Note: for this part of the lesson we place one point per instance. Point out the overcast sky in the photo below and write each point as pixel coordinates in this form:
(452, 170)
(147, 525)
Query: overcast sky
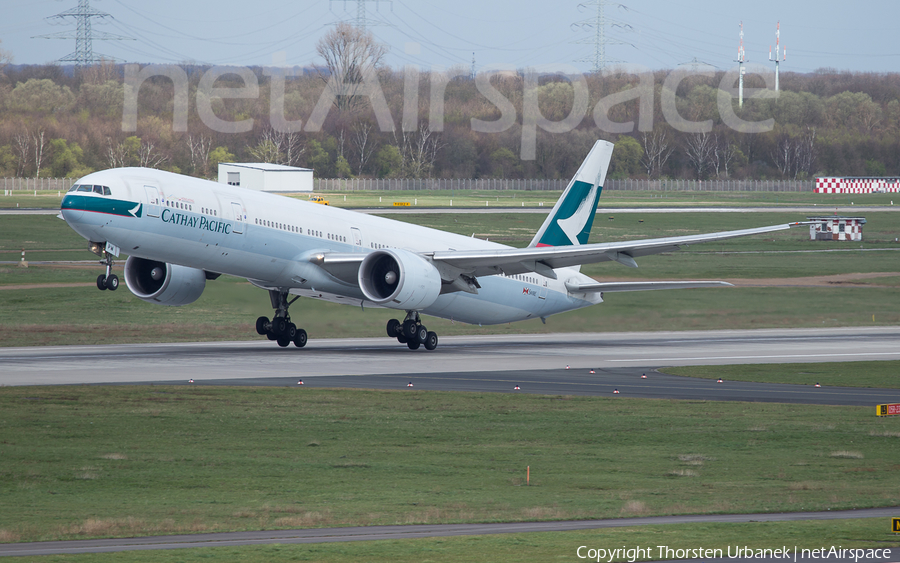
(658, 34)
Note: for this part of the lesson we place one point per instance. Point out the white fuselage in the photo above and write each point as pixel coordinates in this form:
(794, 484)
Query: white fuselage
(269, 239)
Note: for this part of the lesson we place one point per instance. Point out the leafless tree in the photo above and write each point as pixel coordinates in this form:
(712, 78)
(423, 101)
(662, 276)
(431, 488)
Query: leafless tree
(805, 152)
(724, 154)
(363, 143)
(418, 150)
(22, 146)
(783, 154)
(148, 157)
(5, 59)
(278, 147)
(117, 155)
(350, 55)
(39, 145)
(699, 149)
(657, 150)
(200, 147)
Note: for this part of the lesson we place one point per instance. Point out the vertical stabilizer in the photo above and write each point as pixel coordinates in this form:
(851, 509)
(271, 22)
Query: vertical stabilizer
(572, 217)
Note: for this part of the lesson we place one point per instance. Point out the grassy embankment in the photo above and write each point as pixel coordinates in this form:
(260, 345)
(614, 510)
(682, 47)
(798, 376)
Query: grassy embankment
(90, 461)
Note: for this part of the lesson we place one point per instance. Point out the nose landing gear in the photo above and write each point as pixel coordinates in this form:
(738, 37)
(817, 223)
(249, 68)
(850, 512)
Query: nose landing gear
(108, 280)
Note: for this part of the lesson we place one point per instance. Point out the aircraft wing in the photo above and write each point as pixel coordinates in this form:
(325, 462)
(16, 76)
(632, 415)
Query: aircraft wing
(542, 260)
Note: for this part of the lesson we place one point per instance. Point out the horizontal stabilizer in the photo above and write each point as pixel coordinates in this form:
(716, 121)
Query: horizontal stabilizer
(640, 286)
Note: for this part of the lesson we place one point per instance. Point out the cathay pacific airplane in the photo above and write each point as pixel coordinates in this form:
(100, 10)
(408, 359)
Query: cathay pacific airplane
(179, 232)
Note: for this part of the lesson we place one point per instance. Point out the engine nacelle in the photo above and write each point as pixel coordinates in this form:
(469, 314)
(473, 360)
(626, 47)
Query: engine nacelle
(163, 284)
(399, 279)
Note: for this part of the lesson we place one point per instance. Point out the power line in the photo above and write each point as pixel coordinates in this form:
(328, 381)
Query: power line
(84, 36)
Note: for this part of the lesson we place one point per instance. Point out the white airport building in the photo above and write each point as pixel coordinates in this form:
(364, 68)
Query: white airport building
(266, 177)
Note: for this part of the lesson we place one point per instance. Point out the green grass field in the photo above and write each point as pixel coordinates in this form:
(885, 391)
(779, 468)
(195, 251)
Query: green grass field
(90, 461)
(855, 374)
(562, 546)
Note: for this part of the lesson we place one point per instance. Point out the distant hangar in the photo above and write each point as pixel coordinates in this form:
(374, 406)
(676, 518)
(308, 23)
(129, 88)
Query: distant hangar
(266, 177)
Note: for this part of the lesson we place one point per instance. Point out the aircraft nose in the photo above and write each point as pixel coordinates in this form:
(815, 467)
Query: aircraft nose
(72, 215)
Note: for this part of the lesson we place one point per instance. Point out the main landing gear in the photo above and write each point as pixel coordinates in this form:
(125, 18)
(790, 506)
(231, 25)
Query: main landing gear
(412, 332)
(108, 280)
(280, 328)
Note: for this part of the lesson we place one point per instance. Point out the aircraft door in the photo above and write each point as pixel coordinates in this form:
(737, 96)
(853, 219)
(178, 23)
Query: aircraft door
(357, 236)
(238, 213)
(542, 294)
(152, 201)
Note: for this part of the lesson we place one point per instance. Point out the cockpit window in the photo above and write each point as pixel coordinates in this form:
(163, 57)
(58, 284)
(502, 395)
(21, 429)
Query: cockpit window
(73, 188)
(106, 191)
(98, 190)
(85, 188)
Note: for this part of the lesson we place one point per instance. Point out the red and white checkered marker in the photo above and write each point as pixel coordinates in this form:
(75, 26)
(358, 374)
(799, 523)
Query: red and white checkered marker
(817, 385)
(616, 392)
(644, 376)
(516, 387)
(300, 382)
(409, 384)
(190, 380)
(567, 366)
(592, 371)
(718, 381)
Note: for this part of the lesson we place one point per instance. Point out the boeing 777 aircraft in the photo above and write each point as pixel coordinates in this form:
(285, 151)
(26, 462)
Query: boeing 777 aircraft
(179, 232)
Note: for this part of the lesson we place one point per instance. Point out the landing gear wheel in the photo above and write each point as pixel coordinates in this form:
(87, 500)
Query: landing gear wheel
(410, 327)
(393, 327)
(261, 325)
(283, 341)
(112, 282)
(402, 339)
(300, 338)
(279, 326)
(271, 336)
(291, 332)
(413, 344)
(421, 334)
(431, 341)
(101, 282)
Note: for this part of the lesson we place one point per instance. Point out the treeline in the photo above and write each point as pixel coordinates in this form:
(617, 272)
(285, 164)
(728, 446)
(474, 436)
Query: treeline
(54, 123)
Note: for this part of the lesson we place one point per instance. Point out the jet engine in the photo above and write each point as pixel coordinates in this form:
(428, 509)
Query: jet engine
(399, 279)
(163, 284)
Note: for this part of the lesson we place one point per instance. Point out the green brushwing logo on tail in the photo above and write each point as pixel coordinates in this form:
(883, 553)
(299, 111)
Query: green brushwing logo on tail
(574, 218)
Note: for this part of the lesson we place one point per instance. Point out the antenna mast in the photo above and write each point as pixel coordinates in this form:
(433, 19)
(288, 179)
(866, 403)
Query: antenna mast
(779, 54)
(741, 60)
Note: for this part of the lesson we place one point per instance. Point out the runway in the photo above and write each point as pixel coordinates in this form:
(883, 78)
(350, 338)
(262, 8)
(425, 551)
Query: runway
(536, 363)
